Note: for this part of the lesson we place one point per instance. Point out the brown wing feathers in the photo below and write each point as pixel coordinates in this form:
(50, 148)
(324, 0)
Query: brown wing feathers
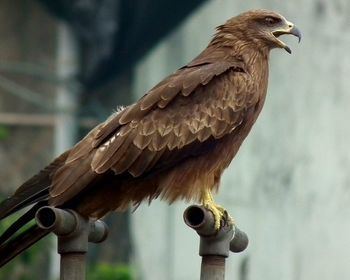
(184, 121)
(183, 82)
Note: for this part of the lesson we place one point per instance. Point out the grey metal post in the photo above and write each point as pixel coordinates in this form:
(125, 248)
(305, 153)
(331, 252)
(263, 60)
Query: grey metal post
(214, 245)
(73, 233)
(66, 128)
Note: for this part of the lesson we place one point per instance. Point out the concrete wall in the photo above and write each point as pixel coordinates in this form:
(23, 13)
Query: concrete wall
(289, 186)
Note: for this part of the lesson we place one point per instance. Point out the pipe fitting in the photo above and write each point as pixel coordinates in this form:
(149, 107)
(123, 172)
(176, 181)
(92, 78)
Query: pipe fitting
(59, 221)
(73, 230)
(212, 241)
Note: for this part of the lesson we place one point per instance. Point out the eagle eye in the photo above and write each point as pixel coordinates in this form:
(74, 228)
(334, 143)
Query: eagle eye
(270, 21)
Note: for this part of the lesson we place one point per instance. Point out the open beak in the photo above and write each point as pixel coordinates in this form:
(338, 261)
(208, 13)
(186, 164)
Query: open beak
(289, 29)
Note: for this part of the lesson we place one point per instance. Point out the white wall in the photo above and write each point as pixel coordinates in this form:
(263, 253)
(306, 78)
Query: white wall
(289, 186)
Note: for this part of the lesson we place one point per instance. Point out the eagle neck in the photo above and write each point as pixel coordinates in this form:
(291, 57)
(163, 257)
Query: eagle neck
(255, 61)
(254, 53)
(256, 64)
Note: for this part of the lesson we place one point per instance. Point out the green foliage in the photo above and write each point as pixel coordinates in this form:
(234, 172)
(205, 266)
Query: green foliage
(26, 266)
(104, 271)
(4, 132)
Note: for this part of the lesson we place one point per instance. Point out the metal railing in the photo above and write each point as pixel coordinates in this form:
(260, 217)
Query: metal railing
(74, 232)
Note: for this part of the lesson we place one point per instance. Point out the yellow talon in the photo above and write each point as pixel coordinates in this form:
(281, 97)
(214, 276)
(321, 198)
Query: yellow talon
(219, 213)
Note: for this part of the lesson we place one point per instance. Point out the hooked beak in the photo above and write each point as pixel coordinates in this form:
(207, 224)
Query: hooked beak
(288, 29)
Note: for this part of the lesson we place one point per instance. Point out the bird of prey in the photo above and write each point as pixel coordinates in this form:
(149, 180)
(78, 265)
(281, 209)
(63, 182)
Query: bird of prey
(174, 143)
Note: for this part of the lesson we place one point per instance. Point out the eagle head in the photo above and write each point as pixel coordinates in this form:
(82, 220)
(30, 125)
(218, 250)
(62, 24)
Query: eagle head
(259, 27)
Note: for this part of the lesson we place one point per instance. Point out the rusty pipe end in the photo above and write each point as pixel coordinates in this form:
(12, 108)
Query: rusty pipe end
(98, 231)
(200, 219)
(239, 241)
(60, 221)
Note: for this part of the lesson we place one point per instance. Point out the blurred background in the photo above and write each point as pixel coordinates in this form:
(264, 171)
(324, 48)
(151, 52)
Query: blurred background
(66, 65)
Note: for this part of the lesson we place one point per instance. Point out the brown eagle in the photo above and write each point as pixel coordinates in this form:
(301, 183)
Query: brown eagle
(174, 143)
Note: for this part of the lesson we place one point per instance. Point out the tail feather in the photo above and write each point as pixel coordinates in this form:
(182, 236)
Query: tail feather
(11, 244)
(20, 222)
(18, 202)
(15, 246)
(33, 190)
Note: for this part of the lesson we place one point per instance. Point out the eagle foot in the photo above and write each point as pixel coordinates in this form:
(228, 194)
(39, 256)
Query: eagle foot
(221, 217)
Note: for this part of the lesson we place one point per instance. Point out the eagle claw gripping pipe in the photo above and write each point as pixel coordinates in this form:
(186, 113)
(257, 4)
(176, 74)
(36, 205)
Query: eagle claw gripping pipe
(214, 245)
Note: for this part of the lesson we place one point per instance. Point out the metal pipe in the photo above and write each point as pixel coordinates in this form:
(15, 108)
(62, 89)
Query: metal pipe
(239, 241)
(59, 221)
(40, 120)
(73, 232)
(98, 231)
(72, 266)
(214, 245)
(213, 267)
